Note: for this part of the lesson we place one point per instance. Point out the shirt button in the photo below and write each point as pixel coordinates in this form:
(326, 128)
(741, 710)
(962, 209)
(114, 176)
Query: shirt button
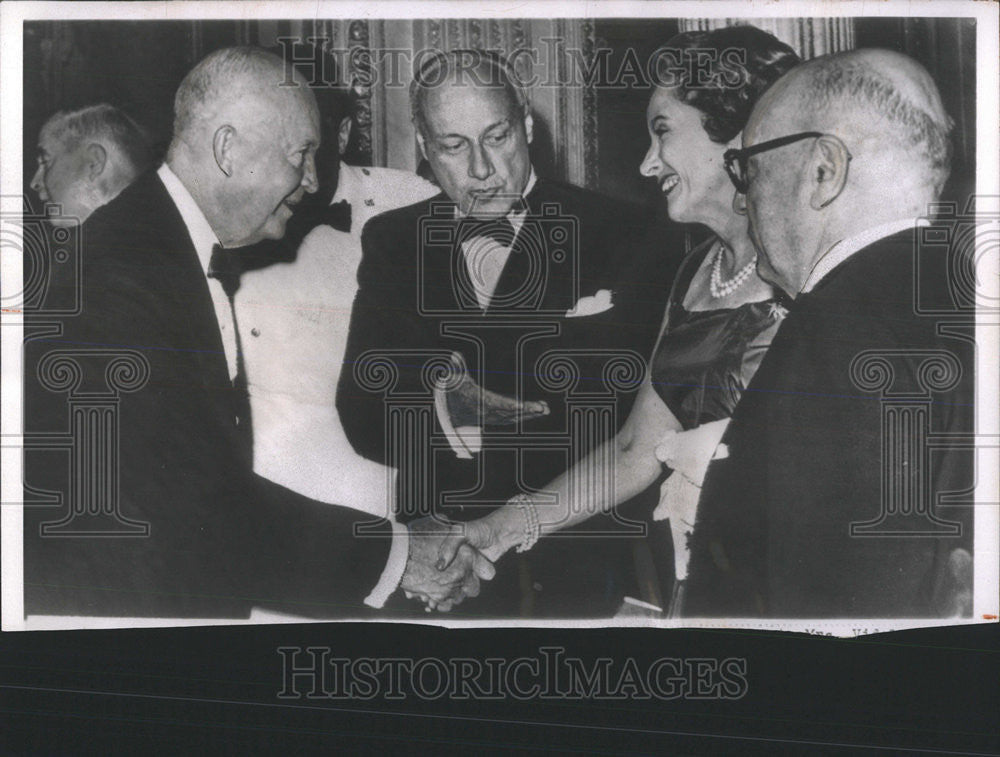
(255, 331)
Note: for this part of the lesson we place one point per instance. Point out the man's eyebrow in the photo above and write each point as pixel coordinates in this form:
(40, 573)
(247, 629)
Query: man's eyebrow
(501, 122)
(659, 117)
(491, 127)
(450, 135)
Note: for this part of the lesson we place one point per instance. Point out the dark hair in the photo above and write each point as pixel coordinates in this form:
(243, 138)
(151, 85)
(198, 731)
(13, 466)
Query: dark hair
(103, 121)
(742, 62)
(441, 67)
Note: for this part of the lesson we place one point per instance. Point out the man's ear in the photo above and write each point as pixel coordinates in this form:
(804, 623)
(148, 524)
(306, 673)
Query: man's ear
(529, 124)
(96, 159)
(223, 144)
(423, 146)
(344, 134)
(831, 161)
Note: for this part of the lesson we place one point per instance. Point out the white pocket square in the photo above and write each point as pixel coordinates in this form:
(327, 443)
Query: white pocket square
(592, 305)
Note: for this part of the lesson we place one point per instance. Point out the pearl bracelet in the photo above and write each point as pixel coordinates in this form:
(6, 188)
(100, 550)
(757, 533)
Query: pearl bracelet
(532, 526)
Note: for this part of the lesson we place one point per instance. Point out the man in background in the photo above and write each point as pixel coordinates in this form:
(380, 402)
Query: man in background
(502, 269)
(86, 158)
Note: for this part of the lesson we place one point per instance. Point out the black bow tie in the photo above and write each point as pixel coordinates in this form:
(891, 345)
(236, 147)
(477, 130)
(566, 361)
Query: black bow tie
(501, 230)
(338, 215)
(226, 267)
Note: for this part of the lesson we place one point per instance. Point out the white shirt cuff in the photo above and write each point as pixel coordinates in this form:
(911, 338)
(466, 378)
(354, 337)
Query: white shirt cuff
(394, 567)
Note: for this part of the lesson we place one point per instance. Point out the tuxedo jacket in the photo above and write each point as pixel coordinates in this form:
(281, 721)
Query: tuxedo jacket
(413, 304)
(220, 539)
(808, 444)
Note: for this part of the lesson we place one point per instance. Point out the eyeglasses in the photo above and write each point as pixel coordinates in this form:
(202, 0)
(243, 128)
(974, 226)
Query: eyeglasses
(736, 160)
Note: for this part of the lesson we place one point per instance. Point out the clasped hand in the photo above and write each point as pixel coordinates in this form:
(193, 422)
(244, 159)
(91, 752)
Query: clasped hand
(444, 566)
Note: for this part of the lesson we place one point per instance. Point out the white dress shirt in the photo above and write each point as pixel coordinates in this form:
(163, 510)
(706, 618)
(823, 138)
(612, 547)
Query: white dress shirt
(204, 240)
(485, 258)
(294, 319)
(845, 248)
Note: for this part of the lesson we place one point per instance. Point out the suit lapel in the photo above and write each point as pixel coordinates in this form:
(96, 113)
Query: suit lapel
(193, 308)
(442, 260)
(518, 266)
(531, 264)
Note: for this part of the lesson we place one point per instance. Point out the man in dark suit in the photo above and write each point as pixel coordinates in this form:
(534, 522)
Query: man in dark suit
(831, 502)
(85, 158)
(517, 274)
(185, 529)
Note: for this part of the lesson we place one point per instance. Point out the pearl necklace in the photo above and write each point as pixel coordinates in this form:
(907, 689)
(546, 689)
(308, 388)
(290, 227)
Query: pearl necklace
(719, 288)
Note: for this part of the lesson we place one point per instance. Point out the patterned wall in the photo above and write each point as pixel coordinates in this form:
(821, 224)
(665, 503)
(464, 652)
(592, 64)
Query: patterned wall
(139, 65)
(809, 37)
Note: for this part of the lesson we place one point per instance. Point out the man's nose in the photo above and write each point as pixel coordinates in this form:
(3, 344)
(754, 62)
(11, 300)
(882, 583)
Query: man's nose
(650, 165)
(480, 166)
(739, 203)
(37, 182)
(310, 182)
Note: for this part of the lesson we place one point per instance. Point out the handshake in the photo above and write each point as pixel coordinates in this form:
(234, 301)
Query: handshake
(447, 561)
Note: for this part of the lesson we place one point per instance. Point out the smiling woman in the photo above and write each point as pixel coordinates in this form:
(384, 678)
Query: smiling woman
(720, 319)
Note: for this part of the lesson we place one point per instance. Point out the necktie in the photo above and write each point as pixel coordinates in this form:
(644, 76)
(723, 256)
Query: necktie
(338, 215)
(226, 268)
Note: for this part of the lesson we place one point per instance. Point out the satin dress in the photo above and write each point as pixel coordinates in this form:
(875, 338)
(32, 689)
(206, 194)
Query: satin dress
(702, 363)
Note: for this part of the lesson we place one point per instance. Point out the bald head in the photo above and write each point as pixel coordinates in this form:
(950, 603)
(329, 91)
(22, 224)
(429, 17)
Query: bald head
(870, 146)
(234, 84)
(245, 142)
(883, 104)
(474, 126)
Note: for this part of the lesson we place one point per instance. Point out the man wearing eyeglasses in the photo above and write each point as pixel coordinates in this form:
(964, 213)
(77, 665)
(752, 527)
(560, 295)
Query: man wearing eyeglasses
(828, 504)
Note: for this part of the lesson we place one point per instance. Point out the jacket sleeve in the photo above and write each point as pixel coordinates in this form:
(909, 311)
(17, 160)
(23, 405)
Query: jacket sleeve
(316, 559)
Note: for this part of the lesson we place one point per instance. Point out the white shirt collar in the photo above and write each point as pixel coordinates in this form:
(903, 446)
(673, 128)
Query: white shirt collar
(845, 248)
(531, 183)
(198, 227)
(348, 183)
